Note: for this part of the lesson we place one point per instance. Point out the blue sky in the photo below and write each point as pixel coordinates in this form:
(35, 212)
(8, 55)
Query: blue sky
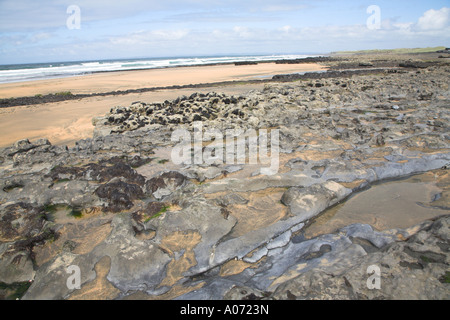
(37, 31)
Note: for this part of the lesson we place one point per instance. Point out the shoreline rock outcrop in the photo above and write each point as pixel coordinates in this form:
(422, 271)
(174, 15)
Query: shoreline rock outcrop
(156, 229)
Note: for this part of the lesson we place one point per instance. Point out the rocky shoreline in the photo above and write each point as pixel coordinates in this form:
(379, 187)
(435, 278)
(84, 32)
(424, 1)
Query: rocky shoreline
(139, 226)
(67, 95)
(341, 68)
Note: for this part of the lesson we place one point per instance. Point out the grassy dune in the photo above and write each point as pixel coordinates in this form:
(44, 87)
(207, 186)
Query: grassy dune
(394, 51)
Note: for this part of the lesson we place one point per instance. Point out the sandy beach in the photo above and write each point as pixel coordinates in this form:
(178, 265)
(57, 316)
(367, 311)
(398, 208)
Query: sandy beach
(68, 121)
(123, 80)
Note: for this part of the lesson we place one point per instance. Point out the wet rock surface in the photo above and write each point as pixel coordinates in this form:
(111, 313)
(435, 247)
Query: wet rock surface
(138, 225)
(412, 265)
(413, 269)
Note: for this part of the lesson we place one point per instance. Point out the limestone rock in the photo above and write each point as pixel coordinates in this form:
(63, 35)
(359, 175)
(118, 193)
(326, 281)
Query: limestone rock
(119, 195)
(413, 270)
(309, 201)
(165, 184)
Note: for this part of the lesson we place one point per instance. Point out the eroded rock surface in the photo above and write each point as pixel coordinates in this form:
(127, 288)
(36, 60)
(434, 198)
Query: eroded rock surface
(137, 225)
(341, 267)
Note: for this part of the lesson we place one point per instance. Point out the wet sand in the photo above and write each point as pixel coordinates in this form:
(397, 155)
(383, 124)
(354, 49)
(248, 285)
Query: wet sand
(65, 122)
(137, 79)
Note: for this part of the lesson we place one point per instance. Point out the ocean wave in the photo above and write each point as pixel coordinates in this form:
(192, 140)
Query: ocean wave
(29, 72)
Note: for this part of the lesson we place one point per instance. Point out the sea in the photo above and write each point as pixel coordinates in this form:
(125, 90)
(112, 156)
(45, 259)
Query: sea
(39, 71)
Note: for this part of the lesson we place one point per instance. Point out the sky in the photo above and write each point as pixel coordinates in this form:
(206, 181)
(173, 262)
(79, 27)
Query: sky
(73, 30)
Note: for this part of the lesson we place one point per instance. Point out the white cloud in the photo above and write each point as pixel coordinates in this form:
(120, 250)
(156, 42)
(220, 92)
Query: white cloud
(286, 29)
(283, 7)
(243, 32)
(149, 28)
(40, 36)
(434, 19)
(142, 38)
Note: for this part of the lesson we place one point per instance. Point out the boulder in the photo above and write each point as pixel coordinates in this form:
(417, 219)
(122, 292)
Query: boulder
(164, 184)
(119, 195)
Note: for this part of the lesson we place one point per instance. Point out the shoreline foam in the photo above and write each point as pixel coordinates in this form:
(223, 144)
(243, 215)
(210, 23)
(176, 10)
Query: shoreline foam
(104, 82)
(41, 71)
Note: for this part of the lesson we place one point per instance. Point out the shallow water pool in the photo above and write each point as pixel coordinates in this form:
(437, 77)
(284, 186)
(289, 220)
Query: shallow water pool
(394, 204)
